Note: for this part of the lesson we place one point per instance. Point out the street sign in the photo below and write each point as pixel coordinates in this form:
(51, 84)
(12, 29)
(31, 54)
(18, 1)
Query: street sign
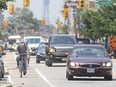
(106, 2)
(79, 13)
(72, 4)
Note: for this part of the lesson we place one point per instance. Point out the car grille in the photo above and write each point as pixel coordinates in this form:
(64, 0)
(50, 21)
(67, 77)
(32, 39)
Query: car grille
(63, 50)
(33, 49)
(90, 65)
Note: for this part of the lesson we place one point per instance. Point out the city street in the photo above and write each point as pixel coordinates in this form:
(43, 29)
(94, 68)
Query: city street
(39, 75)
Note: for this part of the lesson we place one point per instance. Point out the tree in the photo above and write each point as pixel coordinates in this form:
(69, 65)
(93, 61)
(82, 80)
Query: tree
(23, 20)
(99, 23)
(3, 4)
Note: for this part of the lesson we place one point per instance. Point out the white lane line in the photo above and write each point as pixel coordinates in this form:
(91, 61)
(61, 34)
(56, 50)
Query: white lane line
(10, 80)
(44, 78)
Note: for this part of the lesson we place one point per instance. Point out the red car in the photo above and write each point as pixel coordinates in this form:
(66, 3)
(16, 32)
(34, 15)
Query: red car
(89, 60)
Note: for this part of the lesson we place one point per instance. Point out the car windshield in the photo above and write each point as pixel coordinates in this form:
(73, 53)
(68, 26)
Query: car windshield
(33, 41)
(62, 40)
(42, 49)
(90, 52)
(12, 41)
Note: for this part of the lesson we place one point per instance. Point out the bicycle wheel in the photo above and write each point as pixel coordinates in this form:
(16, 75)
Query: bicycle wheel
(24, 68)
(20, 68)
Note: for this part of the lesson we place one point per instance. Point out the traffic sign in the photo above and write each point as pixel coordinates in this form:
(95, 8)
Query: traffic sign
(106, 2)
(72, 4)
(79, 13)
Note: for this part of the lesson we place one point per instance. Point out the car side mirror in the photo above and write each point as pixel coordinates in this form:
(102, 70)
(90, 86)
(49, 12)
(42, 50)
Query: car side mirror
(46, 43)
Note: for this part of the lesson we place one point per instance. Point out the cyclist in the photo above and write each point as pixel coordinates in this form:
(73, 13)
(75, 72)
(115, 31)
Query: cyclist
(22, 51)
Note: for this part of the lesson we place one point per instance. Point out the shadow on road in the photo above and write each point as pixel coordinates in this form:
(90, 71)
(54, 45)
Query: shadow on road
(92, 79)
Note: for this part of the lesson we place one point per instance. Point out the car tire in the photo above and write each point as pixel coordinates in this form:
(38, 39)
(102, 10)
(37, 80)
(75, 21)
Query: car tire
(69, 77)
(46, 63)
(49, 63)
(37, 61)
(108, 77)
(3, 74)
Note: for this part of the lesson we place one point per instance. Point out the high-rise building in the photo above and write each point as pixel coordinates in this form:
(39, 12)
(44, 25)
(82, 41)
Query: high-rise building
(46, 11)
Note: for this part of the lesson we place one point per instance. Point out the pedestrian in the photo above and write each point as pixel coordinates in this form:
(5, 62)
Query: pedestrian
(28, 53)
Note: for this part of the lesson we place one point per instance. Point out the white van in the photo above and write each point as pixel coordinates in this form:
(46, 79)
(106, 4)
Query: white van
(13, 41)
(33, 43)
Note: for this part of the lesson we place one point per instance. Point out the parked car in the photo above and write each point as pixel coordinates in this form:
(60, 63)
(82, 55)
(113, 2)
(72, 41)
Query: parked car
(2, 47)
(58, 47)
(89, 60)
(1, 67)
(41, 52)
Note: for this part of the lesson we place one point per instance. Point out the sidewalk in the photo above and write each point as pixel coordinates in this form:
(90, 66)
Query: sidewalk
(5, 83)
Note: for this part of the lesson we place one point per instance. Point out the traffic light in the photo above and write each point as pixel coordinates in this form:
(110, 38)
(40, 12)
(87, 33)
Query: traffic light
(93, 8)
(33, 30)
(66, 13)
(26, 3)
(43, 22)
(11, 8)
(6, 23)
(82, 4)
(59, 24)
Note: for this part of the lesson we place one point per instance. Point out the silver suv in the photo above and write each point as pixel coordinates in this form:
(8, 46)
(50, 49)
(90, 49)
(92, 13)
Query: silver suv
(58, 48)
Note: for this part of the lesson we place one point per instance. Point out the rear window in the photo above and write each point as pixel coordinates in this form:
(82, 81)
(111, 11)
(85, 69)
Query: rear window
(90, 52)
(83, 40)
(62, 40)
(33, 40)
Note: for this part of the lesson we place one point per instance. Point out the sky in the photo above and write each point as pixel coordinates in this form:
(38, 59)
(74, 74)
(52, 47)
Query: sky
(36, 6)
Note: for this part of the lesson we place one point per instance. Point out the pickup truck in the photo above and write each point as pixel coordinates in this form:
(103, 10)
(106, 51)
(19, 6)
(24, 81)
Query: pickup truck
(58, 48)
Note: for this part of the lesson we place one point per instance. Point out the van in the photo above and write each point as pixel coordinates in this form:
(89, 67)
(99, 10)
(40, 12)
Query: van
(13, 41)
(33, 43)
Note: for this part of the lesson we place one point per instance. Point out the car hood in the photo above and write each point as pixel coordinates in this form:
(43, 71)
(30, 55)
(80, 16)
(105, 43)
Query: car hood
(33, 45)
(62, 46)
(90, 60)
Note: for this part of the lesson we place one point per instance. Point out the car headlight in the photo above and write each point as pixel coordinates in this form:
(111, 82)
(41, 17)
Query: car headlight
(103, 64)
(107, 64)
(51, 50)
(72, 64)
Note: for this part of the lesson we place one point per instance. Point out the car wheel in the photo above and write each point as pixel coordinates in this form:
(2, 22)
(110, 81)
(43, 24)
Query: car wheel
(49, 63)
(46, 62)
(108, 77)
(37, 61)
(0, 75)
(69, 77)
(3, 73)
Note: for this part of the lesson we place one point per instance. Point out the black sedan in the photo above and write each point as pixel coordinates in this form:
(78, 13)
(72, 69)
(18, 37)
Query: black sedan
(89, 60)
(41, 52)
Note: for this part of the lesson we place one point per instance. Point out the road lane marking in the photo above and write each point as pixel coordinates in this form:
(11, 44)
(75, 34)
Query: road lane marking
(44, 78)
(10, 80)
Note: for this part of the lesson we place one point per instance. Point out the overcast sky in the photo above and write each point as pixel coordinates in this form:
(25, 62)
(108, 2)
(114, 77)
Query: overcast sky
(36, 6)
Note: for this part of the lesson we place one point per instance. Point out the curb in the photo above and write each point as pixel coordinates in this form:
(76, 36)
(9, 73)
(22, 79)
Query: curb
(7, 85)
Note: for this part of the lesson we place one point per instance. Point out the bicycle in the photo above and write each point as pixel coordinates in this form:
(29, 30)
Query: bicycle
(22, 65)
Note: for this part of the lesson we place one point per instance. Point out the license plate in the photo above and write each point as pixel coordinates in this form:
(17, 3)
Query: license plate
(90, 70)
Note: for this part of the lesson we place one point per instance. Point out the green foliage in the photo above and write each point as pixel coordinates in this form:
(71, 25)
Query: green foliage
(64, 29)
(3, 4)
(99, 23)
(23, 20)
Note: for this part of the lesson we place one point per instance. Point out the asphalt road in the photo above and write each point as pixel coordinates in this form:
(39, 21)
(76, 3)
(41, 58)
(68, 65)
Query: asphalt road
(39, 75)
